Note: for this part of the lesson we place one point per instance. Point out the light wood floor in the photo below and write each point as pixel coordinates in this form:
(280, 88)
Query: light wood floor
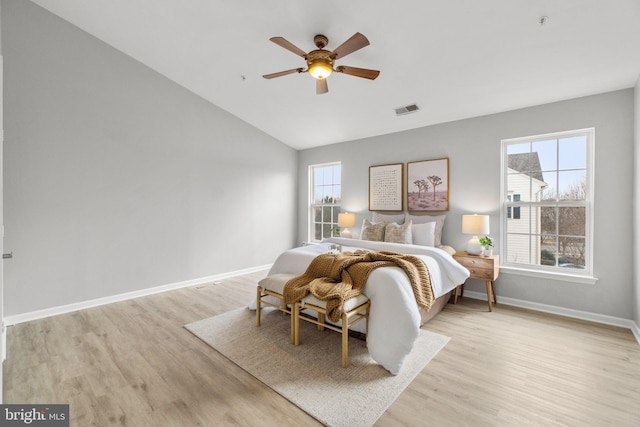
(132, 363)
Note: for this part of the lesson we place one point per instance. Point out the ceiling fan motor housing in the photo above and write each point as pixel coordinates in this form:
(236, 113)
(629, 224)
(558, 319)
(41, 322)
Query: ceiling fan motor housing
(320, 59)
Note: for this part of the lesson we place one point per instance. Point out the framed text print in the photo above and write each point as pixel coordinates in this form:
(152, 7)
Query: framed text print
(386, 187)
(428, 185)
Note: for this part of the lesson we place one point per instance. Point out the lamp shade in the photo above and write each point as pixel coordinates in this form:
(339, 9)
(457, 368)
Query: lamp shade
(475, 224)
(346, 219)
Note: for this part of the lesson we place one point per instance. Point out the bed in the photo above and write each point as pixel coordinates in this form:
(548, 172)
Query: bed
(394, 329)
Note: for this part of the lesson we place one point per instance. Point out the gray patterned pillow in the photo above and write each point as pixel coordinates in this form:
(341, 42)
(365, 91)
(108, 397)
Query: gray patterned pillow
(395, 233)
(373, 232)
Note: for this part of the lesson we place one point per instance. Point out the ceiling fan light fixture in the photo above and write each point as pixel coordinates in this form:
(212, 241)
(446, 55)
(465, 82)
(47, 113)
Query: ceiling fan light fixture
(320, 69)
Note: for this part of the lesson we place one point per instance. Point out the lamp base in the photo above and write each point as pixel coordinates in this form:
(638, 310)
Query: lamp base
(474, 247)
(346, 233)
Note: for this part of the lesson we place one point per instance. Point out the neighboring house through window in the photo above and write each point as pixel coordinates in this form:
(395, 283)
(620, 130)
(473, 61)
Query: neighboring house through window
(325, 197)
(547, 188)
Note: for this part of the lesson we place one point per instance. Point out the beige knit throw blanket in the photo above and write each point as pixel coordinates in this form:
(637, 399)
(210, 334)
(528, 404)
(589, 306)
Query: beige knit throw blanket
(337, 278)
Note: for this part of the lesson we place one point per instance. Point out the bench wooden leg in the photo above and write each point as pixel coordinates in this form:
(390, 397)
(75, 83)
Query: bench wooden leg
(258, 297)
(321, 321)
(295, 324)
(345, 341)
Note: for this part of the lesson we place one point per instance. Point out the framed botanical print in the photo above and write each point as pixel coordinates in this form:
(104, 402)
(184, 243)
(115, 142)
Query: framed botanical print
(428, 185)
(386, 187)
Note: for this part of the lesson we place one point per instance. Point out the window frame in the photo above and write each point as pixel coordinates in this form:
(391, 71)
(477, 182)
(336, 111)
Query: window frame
(312, 205)
(555, 272)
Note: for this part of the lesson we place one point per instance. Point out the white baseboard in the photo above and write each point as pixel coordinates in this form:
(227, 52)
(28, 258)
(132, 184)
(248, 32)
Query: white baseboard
(561, 311)
(54, 311)
(635, 328)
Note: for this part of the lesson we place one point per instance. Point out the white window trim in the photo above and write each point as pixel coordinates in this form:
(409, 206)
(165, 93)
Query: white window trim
(579, 276)
(549, 275)
(310, 204)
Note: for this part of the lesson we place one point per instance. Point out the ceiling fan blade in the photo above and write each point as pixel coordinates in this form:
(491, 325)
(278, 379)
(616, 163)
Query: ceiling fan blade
(358, 72)
(321, 86)
(357, 41)
(282, 42)
(282, 73)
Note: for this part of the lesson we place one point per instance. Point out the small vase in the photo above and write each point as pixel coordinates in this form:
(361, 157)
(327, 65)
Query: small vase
(488, 251)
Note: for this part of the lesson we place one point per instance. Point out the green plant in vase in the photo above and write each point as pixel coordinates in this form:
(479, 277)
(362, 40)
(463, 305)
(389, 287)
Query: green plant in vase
(487, 244)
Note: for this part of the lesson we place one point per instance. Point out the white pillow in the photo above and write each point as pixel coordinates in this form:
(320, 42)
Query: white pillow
(424, 234)
(395, 233)
(380, 217)
(423, 219)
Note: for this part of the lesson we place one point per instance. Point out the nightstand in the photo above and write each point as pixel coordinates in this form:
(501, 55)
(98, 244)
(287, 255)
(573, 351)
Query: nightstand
(480, 267)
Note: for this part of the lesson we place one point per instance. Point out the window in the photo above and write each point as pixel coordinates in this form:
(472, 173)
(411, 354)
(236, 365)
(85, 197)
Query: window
(547, 188)
(325, 194)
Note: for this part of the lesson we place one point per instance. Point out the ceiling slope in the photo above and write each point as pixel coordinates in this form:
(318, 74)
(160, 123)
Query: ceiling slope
(453, 58)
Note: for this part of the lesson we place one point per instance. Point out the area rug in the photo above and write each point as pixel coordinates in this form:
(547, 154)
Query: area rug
(310, 375)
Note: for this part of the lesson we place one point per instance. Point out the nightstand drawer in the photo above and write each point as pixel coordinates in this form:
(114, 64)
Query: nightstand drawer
(475, 263)
(480, 273)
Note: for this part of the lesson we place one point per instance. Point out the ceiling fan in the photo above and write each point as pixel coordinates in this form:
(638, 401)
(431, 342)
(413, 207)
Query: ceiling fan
(320, 62)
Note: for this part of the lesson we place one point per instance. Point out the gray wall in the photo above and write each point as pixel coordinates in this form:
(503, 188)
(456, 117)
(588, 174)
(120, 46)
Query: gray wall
(117, 179)
(636, 228)
(473, 147)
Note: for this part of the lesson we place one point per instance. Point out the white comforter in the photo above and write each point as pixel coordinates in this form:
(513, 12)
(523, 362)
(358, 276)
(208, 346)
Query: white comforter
(394, 329)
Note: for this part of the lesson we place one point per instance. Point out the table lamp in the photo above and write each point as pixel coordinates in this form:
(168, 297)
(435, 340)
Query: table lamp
(346, 220)
(475, 225)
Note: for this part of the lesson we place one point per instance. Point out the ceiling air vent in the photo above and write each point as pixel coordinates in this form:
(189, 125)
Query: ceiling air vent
(407, 109)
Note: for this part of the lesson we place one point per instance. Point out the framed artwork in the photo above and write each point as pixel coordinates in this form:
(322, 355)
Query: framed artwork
(386, 184)
(428, 185)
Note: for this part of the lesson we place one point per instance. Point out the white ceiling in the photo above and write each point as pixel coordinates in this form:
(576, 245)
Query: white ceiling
(454, 58)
